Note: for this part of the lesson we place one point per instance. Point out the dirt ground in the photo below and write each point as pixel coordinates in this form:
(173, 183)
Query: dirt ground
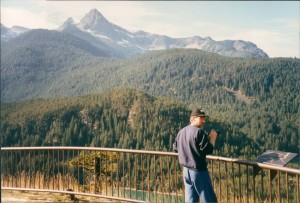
(27, 196)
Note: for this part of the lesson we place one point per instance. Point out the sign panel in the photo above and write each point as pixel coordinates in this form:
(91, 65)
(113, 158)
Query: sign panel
(276, 157)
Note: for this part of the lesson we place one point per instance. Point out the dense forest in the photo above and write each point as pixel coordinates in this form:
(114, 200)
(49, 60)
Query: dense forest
(254, 102)
(124, 118)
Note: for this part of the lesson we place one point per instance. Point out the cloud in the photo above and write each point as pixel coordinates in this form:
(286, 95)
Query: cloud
(21, 17)
(274, 43)
(124, 13)
(52, 14)
(279, 37)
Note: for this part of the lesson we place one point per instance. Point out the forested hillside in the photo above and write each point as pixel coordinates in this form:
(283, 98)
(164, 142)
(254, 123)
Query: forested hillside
(124, 118)
(267, 109)
(256, 98)
(34, 64)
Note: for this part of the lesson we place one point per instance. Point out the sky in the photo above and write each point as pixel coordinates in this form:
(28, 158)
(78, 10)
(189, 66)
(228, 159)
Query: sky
(272, 25)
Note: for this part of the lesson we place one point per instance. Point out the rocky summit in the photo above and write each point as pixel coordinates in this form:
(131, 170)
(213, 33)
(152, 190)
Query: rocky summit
(100, 32)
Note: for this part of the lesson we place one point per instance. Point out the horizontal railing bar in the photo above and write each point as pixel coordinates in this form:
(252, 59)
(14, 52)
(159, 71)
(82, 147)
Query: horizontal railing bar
(255, 164)
(90, 149)
(238, 161)
(70, 192)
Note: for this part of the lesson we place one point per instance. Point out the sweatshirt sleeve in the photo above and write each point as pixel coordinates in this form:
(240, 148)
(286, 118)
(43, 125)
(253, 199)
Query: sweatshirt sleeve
(203, 142)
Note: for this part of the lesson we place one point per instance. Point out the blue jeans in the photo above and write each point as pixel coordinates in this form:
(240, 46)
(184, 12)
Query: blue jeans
(198, 185)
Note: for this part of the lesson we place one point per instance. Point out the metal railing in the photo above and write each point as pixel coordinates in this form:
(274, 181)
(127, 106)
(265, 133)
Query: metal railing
(139, 176)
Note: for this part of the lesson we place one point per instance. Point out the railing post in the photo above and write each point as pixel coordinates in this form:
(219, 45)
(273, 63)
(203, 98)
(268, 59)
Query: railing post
(287, 186)
(278, 188)
(254, 184)
(270, 187)
(20, 172)
(124, 183)
(39, 172)
(233, 189)
(220, 182)
(142, 181)
(155, 177)
(58, 171)
(129, 173)
(169, 177)
(240, 184)
(53, 173)
(149, 175)
(68, 170)
(136, 175)
(29, 168)
(175, 182)
(48, 179)
(247, 182)
(112, 176)
(298, 192)
(162, 180)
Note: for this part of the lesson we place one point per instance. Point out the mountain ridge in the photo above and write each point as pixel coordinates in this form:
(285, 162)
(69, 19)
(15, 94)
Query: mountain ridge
(98, 31)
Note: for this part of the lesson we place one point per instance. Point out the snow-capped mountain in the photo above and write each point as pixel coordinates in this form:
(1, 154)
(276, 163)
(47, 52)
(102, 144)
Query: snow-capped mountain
(130, 43)
(10, 33)
(119, 42)
(68, 22)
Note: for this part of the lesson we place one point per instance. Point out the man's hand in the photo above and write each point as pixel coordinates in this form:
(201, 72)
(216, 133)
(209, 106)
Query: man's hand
(213, 136)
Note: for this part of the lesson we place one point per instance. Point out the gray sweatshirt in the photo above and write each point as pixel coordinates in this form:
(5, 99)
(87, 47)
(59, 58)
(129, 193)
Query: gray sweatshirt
(192, 145)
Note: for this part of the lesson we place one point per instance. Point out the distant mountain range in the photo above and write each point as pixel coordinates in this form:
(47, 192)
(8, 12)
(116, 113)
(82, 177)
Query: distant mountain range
(10, 33)
(118, 42)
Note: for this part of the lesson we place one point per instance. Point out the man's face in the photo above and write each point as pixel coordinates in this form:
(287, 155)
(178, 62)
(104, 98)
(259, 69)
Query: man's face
(198, 121)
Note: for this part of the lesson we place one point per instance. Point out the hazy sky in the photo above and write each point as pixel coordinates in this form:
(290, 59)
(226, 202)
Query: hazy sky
(272, 25)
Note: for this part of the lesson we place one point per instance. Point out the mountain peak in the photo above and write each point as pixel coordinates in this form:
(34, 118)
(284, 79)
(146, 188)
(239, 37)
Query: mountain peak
(93, 20)
(94, 12)
(67, 23)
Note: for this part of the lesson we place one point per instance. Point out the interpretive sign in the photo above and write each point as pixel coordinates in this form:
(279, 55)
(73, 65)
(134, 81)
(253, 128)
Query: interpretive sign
(276, 157)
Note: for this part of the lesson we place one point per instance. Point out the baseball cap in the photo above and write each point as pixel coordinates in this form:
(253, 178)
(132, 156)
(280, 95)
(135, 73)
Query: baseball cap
(198, 112)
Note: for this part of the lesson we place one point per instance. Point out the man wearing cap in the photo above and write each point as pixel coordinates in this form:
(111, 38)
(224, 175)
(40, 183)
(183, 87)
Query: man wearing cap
(192, 145)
